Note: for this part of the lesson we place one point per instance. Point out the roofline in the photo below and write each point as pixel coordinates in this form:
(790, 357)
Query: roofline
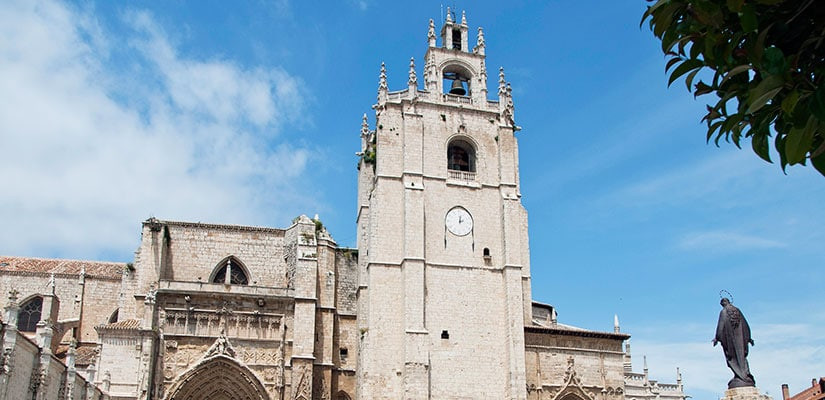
(582, 333)
(244, 228)
(121, 264)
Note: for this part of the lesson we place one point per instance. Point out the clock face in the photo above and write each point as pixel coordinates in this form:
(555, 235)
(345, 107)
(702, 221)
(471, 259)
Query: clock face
(459, 222)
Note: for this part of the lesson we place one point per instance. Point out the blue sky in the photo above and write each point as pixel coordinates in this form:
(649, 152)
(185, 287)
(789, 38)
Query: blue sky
(250, 114)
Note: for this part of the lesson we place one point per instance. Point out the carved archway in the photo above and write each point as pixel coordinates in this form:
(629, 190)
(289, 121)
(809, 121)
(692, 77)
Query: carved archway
(218, 378)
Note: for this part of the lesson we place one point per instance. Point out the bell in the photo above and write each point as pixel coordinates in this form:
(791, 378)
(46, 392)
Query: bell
(457, 88)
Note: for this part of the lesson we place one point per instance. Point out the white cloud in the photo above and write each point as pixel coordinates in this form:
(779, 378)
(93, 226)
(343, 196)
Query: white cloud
(725, 241)
(90, 146)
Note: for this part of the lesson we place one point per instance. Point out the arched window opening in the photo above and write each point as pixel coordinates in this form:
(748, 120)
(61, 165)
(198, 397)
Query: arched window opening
(30, 314)
(235, 276)
(114, 316)
(457, 39)
(461, 156)
(456, 80)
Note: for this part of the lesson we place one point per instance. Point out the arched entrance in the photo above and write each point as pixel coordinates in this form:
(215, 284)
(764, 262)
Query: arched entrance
(218, 378)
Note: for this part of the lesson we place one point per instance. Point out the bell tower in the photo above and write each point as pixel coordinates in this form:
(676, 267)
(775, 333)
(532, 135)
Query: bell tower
(444, 269)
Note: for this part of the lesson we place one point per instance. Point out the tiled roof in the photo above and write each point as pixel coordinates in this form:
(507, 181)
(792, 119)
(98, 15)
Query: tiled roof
(59, 266)
(122, 325)
(86, 355)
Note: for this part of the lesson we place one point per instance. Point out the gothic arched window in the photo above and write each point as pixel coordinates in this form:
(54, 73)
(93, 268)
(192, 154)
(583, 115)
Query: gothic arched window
(461, 156)
(113, 318)
(236, 272)
(30, 314)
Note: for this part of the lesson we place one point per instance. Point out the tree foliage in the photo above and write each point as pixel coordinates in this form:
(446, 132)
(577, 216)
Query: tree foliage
(767, 58)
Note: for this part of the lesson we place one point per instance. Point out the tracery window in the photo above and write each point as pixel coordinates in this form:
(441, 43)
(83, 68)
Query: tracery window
(236, 274)
(29, 314)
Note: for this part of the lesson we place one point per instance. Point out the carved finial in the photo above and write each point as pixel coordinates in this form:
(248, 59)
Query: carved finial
(645, 363)
(431, 34)
(413, 81)
(616, 323)
(678, 376)
(479, 49)
(502, 84)
(449, 16)
(430, 74)
(463, 18)
(13, 296)
(51, 282)
(365, 127)
(382, 83)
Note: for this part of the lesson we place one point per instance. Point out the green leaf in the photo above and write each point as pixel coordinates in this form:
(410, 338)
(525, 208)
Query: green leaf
(735, 5)
(733, 72)
(759, 46)
(764, 92)
(798, 142)
(759, 142)
(779, 143)
(774, 61)
(748, 19)
(684, 68)
(790, 101)
(701, 88)
(650, 10)
(817, 103)
(671, 62)
(689, 79)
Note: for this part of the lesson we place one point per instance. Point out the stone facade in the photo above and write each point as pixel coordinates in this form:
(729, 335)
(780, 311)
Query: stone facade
(434, 304)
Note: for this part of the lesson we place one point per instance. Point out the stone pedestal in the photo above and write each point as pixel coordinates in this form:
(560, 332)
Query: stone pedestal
(745, 393)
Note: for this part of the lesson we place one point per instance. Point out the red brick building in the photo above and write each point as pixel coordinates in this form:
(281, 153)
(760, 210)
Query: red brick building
(815, 392)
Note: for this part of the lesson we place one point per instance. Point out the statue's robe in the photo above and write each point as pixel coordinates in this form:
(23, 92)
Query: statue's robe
(735, 334)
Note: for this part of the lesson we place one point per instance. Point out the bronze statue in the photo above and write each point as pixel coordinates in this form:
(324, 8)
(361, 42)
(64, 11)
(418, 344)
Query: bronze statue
(735, 335)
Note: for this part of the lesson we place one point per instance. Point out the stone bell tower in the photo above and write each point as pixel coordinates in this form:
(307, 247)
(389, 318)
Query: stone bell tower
(444, 269)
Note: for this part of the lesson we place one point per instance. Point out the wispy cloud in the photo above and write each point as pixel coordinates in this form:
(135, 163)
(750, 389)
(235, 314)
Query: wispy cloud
(725, 241)
(93, 143)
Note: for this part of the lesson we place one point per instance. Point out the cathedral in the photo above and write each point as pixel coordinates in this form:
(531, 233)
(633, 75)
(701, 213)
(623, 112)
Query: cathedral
(434, 302)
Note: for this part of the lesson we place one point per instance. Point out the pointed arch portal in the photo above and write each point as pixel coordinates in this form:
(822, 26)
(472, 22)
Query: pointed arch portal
(218, 378)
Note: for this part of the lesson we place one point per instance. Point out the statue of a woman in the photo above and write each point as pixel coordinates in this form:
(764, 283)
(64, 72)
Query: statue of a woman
(735, 335)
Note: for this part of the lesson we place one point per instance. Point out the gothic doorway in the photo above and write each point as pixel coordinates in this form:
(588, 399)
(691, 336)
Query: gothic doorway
(218, 378)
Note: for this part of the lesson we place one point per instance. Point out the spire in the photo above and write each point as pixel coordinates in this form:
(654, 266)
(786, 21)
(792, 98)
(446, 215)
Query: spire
(382, 84)
(616, 323)
(431, 34)
(502, 84)
(678, 376)
(479, 49)
(449, 16)
(628, 363)
(413, 81)
(482, 75)
(430, 74)
(645, 366)
(365, 128)
(463, 18)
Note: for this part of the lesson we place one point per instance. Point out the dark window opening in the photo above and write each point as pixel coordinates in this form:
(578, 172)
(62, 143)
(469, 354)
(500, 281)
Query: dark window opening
(486, 252)
(113, 317)
(445, 335)
(461, 156)
(30, 314)
(237, 276)
(457, 39)
(343, 352)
